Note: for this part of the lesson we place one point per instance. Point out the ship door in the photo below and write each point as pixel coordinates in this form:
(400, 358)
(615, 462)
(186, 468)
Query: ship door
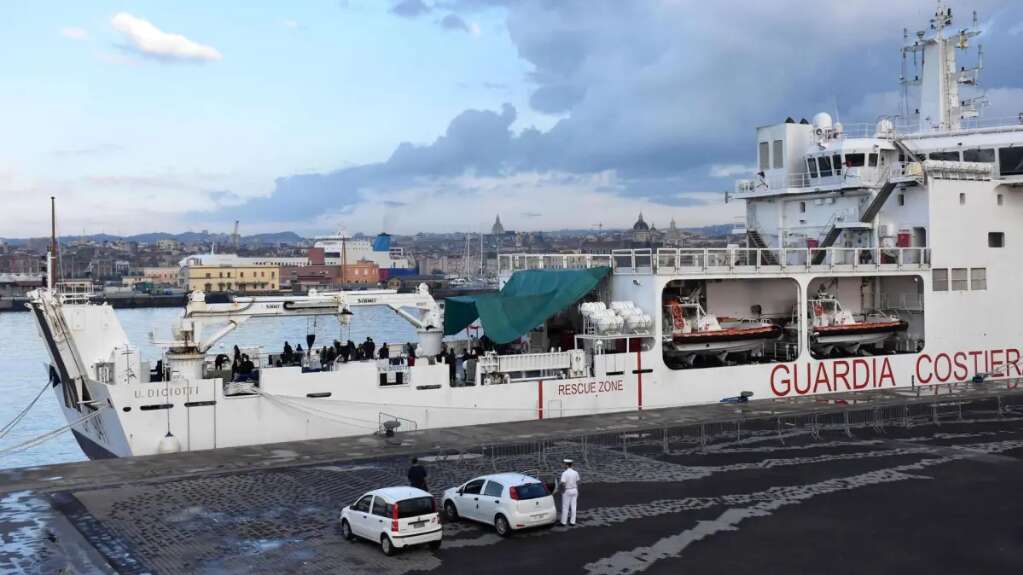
(554, 408)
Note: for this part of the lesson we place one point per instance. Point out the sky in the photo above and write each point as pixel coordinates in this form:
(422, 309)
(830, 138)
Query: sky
(413, 116)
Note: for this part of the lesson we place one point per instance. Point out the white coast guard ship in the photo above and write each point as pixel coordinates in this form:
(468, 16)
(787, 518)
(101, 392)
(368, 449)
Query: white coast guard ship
(912, 219)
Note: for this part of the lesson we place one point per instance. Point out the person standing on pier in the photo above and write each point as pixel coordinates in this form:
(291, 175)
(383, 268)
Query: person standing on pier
(417, 475)
(569, 487)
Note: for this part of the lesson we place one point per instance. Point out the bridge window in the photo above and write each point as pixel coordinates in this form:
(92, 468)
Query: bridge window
(944, 156)
(765, 153)
(854, 160)
(778, 158)
(939, 279)
(959, 282)
(978, 278)
(1010, 161)
(811, 164)
(836, 161)
(872, 160)
(996, 239)
(985, 155)
(825, 164)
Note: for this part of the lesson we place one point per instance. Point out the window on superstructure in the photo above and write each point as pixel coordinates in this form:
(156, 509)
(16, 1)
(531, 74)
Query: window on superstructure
(825, 166)
(902, 199)
(962, 199)
(939, 279)
(1010, 161)
(872, 160)
(996, 239)
(836, 163)
(959, 281)
(811, 164)
(978, 279)
(802, 207)
(999, 199)
(765, 156)
(777, 158)
(944, 156)
(985, 155)
(854, 160)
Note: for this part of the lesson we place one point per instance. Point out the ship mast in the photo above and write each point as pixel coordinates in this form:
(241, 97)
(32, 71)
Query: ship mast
(51, 259)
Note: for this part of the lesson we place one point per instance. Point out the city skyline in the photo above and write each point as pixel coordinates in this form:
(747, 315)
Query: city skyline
(415, 116)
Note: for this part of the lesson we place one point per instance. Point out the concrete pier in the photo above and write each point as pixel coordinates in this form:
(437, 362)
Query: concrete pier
(871, 482)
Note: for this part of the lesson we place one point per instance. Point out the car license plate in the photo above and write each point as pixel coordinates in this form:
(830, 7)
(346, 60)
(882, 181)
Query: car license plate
(418, 525)
(537, 516)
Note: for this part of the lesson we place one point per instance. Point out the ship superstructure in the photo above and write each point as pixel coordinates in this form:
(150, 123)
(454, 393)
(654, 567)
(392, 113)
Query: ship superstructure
(902, 234)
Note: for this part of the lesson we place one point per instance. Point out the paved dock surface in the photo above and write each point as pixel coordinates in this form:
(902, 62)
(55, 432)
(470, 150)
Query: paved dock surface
(901, 486)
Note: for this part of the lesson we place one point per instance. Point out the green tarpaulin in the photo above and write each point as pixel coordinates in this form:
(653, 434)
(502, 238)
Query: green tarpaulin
(526, 301)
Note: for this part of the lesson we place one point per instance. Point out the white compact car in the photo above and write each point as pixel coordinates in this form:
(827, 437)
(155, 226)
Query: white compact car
(394, 517)
(508, 501)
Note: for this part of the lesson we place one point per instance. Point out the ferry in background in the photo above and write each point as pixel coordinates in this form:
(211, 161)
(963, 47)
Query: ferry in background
(909, 222)
(341, 249)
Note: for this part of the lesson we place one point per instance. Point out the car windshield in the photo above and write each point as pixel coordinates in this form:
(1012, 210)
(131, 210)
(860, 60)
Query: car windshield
(531, 491)
(415, 507)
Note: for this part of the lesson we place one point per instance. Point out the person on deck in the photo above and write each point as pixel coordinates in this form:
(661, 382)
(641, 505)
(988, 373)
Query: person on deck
(450, 359)
(287, 354)
(411, 354)
(299, 352)
(385, 353)
(370, 347)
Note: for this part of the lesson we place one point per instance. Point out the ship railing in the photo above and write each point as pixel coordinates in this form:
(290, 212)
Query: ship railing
(729, 260)
(508, 263)
(75, 292)
(775, 260)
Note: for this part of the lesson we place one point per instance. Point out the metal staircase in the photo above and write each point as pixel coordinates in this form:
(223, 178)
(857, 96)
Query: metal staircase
(768, 257)
(871, 210)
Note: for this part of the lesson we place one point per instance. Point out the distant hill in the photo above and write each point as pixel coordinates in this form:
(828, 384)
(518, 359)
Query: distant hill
(186, 238)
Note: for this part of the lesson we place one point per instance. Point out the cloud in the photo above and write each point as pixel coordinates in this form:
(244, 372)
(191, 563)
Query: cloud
(729, 170)
(454, 22)
(410, 8)
(88, 151)
(74, 33)
(655, 105)
(148, 40)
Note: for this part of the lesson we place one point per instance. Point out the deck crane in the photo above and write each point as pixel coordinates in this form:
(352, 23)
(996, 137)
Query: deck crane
(189, 344)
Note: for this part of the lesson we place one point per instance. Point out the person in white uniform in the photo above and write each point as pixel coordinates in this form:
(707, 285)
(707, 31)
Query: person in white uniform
(569, 486)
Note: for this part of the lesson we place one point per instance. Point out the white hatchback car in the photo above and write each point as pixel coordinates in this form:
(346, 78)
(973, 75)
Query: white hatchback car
(508, 501)
(394, 517)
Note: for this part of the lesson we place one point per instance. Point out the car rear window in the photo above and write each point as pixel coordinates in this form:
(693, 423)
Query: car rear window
(531, 491)
(415, 507)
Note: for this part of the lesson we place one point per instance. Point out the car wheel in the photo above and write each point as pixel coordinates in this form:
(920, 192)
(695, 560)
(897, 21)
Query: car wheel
(450, 511)
(502, 526)
(435, 544)
(386, 546)
(346, 530)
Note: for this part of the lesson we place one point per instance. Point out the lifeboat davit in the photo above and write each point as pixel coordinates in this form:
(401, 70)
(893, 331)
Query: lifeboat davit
(835, 328)
(694, 333)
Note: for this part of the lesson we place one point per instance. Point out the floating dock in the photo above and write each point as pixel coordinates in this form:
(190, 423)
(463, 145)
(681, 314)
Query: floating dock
(852, 482)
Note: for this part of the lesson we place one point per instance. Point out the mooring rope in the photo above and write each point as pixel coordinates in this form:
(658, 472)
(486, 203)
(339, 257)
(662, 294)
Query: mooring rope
(50, 434)
(17, 419)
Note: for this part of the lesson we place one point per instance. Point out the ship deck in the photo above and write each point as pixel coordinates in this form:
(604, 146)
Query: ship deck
(921, 480)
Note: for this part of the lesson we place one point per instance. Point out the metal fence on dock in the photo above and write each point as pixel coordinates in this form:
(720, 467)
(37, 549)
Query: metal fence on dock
(835, 421)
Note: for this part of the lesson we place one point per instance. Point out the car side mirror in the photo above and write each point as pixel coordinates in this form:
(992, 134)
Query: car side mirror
(461, 490)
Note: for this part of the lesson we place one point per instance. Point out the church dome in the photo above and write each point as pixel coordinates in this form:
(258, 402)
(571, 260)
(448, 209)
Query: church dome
(640, 225)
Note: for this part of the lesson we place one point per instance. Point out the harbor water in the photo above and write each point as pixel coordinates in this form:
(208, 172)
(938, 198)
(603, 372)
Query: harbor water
(23, 361)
